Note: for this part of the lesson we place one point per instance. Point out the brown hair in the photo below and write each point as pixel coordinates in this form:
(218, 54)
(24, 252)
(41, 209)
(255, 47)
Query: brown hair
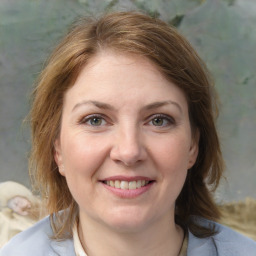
(139, 34)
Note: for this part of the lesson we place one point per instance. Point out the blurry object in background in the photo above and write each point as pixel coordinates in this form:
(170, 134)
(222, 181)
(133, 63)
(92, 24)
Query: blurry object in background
(19, 209)
(240, 216)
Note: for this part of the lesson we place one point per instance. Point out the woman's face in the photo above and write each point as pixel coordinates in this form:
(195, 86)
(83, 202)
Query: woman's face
(125, 143)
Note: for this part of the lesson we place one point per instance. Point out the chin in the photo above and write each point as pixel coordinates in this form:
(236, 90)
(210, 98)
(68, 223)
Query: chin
(127, 221)
(127, 227)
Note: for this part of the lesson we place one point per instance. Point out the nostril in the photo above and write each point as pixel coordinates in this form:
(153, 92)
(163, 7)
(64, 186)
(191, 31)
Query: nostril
(127, 157)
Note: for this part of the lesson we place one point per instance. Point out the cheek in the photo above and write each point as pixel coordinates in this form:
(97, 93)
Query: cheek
(171, 158)
(81, 161)
(82, 156)
(172, 153)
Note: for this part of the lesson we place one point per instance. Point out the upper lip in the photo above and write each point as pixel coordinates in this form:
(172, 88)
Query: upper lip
(127, 178)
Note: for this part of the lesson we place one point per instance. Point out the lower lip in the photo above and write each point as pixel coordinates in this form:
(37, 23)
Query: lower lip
(128, 193)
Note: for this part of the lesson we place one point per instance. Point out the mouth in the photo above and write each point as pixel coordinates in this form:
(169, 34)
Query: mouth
(127, 185)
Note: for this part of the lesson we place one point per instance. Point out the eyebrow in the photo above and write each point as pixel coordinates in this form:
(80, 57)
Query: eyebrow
(102, 105)
(159, 104)
(98, 104)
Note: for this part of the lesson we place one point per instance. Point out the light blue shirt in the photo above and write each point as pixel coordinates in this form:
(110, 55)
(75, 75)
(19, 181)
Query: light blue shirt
(36, 241)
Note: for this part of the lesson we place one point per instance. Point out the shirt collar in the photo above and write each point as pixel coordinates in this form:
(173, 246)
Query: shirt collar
(77, 243)
(80, 251)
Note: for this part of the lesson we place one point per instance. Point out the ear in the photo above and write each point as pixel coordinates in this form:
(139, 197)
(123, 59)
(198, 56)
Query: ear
(58, 156)
(194, 149)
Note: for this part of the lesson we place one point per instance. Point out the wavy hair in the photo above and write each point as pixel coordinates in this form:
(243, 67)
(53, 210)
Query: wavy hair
(151, 38)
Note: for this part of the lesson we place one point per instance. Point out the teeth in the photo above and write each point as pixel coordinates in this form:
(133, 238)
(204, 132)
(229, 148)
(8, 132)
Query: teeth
(126, 184)
(117, 183)
(138, 185)
(132, 185)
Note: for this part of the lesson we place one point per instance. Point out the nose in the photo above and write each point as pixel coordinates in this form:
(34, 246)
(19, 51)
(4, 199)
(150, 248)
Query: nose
(128, 147)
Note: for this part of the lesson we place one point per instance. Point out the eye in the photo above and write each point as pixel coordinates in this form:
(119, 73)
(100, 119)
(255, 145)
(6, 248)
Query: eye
(161, 120)
(158, 121)
(94, 120)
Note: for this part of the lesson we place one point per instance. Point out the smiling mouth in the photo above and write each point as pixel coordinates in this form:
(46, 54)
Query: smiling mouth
(127, 185)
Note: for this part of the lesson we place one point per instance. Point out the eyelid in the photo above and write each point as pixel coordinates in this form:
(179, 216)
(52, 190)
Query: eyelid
(83, 120)
(169, 118)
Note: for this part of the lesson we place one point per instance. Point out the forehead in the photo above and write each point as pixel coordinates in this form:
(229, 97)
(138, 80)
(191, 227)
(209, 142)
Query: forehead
(107, 61)
(109, 75)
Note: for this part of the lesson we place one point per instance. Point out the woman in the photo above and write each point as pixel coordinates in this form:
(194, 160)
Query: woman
(124, 146)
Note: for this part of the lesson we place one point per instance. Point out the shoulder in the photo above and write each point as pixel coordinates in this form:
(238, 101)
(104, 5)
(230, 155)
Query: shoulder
(226, 242)
(230, 242)
(29, 241)
(36, 241)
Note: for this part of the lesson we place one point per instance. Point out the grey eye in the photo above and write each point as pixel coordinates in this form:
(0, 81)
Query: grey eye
(95, 121)
(158, 121)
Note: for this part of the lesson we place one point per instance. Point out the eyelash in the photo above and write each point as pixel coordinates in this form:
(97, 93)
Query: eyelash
(89, 118)
(165, 118)
(170, 120)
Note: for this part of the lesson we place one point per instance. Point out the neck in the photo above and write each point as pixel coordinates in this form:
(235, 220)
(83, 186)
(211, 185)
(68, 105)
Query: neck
(161, 238)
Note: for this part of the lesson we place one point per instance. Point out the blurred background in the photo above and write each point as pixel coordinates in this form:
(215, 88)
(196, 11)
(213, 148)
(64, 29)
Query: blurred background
(222, 31)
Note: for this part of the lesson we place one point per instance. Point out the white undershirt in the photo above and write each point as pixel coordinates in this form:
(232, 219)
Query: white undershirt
(77, 243)
(80, 251)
